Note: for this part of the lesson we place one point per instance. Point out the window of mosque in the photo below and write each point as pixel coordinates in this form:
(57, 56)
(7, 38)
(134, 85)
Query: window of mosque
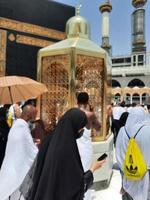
(127, 98)
(136, 98)
(136, 83)
(145, 98)
(115, 83)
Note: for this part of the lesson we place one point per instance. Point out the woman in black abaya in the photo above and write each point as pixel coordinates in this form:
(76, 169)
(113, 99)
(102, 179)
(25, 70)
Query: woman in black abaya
(59, 173)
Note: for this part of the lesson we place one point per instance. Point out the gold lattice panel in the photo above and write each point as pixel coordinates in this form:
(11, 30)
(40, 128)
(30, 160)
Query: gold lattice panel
(90, 77)
(54, 73)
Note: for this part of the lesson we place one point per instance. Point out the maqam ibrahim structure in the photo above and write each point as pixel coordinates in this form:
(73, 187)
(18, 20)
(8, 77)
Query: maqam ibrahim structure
(73, 65)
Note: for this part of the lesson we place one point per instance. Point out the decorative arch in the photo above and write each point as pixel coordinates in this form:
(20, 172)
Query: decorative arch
(136, 83)
(115, 83)
(135, 94)
(117, 97)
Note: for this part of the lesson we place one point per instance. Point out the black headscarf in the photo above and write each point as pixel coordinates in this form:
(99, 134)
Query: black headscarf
(123, 119)
(60, 177)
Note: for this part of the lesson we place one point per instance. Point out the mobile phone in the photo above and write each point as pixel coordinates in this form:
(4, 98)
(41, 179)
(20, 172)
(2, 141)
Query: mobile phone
(102, 157)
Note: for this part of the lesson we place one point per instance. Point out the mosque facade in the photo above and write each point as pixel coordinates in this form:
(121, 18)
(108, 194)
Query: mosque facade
(130, 73)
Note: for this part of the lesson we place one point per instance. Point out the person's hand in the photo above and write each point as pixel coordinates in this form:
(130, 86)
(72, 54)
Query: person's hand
(96, 165)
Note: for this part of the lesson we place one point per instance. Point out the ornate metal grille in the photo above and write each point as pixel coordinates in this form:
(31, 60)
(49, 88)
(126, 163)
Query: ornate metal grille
(54, 74)
(90, 78)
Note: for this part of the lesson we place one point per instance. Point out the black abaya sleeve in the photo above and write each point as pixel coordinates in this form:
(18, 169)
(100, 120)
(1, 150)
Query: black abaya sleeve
(88, 180)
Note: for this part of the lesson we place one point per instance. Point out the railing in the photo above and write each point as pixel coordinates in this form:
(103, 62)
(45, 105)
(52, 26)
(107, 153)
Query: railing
(141, 69)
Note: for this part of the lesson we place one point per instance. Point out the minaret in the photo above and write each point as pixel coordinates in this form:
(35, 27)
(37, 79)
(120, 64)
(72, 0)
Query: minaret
(105, 9)
(138, 26)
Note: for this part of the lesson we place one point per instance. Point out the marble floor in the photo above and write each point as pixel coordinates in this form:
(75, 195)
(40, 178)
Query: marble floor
(113, 191)
(110, 193)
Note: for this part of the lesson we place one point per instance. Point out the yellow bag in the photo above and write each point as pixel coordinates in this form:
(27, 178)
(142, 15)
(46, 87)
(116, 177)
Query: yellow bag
(135, 166)
(9, 119)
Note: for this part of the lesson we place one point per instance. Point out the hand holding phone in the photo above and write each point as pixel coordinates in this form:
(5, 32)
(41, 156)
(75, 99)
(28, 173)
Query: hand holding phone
(102, 157)
(99, 163)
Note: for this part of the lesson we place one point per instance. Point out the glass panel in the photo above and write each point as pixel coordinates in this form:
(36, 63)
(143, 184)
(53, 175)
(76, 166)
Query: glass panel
(55, 75)
(90, 77)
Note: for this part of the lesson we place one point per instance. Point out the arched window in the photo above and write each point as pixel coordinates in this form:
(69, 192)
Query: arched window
(136, 82)
(145, 98)
(128, 98)
(115, 83)
(136, 98)
(117, 97)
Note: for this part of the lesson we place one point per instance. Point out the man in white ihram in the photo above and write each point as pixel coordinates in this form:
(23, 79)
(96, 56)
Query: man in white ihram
(84, 143)
(19, 156)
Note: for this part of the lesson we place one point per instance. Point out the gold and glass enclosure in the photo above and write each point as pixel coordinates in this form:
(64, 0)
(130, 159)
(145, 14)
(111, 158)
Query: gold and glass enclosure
(73, 65)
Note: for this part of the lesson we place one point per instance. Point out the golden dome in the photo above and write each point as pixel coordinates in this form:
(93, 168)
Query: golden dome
(77, 26)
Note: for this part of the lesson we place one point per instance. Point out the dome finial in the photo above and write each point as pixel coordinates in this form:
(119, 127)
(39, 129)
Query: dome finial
(78, 8)
(77, 26)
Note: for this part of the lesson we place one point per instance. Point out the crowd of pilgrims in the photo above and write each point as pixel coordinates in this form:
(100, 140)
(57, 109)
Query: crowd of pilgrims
(39, 164)
(128, 121)
(45, 168)
(119, 113)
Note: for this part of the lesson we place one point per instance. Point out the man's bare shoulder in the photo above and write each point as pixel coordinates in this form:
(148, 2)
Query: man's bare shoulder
(93, 122)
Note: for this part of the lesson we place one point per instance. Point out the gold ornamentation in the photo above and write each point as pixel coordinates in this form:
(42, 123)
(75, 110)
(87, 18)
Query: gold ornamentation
(90, 78)
(3, 35)
(68, 74)
(32, 41)
(30, 28)
(54, 74)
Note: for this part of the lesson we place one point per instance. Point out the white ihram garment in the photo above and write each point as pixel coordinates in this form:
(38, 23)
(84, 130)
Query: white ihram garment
(117, 112)
(86, 153)
(138, 190)
(19, 156)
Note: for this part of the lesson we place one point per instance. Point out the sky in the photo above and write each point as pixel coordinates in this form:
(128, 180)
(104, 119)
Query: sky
(120, 22)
